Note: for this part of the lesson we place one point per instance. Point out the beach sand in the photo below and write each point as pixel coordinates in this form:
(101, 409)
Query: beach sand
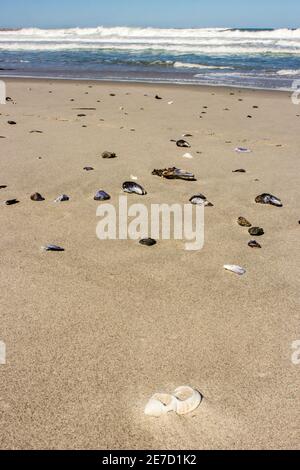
(93, 332)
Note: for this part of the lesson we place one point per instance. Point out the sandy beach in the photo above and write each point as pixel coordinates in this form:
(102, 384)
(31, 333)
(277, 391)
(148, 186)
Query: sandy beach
(93, 332)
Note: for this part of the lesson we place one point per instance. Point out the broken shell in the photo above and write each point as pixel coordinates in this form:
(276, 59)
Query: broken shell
(88, 168)
(11, 202)
(160, 404)
(254, 244)
(256, 231)
(158, 97)
(52, 248)
(244, 222)
(188, 399)
(235, 269)
(242, 150)
(148, 242)
(109, 155)
(188, 155)
(200, 199)
(62, 198)
(37, 197)
(266, 198)
(101, 196)
(240, 170)
(182, 143)
(131, 187)
(174, 173)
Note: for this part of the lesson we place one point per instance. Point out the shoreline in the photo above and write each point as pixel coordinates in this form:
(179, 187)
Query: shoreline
(132, 83)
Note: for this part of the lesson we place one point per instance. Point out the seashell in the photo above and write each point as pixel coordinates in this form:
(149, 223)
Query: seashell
(174, 173)
(62, 198)
(182, 143)
(148, 242)
(170, 102)
(160, 404)
(109, 155)
(133, 177)
(256, 231)
(188, 399)
(3, 186)
(37, 197)
(158, 97)
(243, 222)
(266, 198)
(235, 269)
(200, 199)
(242, 150)
(188, 155)
(131, 187)
(88, 168)
(187, 135)
(254, 244)
(240, 170)
(12, 123)
(11, 202)
(52, 248)
(101, 196)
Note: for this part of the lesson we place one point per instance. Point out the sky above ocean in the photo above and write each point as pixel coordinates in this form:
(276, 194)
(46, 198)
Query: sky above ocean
(158, 13)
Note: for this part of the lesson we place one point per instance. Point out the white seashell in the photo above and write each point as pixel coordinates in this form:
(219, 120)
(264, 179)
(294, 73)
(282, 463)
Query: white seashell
(160, 404)
(170, 102)
(133, 177)
(187, 155)
(235, 269)
(188, 399)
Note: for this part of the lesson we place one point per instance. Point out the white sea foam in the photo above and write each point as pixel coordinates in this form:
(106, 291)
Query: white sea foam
(288, 72)
(206, 40)
(198, 66)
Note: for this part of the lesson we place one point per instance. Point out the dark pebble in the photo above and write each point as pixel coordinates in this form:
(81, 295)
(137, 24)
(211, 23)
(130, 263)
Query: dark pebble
(11, 202)
(256, 231)
(148, 242)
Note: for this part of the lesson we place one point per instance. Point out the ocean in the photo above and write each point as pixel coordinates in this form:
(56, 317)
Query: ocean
(255, 58)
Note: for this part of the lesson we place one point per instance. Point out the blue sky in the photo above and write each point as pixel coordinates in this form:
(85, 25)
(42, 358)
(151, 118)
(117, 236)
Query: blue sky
(161, 13)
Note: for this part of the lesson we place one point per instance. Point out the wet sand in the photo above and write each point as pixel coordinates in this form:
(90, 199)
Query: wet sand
(93, 332)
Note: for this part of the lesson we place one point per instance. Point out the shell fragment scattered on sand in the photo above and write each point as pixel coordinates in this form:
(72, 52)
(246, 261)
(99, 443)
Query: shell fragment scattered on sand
(235, 269)
(62, 198)
(242, 150)
(131, 187)
(52, 248)
(184, 400)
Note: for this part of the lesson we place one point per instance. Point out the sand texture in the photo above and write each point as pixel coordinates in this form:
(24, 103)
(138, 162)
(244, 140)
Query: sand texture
(93, 332)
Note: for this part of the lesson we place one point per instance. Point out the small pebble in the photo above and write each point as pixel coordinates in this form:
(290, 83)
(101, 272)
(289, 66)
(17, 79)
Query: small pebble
(37, 197)
(11, 202)
(256, 231)
(148, 242)
(254, 244)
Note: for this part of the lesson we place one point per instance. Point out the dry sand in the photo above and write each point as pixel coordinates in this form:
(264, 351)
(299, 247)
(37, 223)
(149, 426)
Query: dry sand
(93, 332)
